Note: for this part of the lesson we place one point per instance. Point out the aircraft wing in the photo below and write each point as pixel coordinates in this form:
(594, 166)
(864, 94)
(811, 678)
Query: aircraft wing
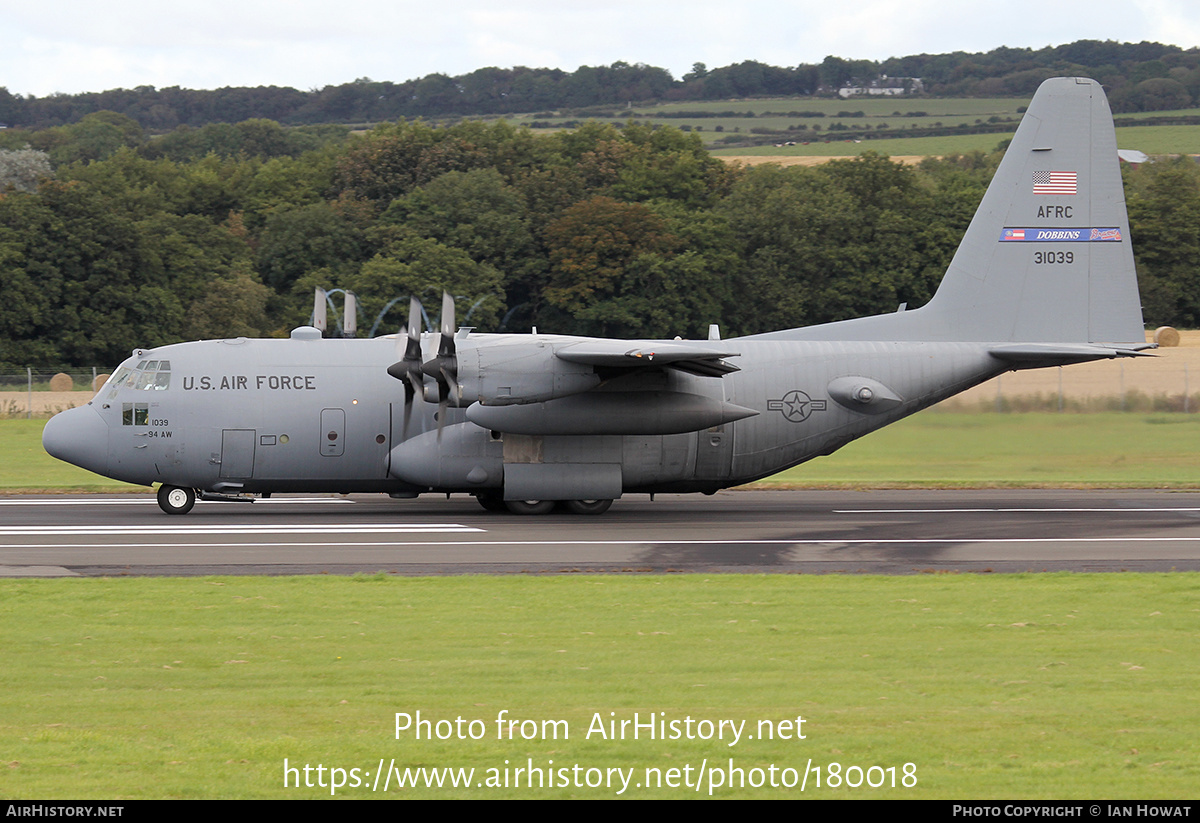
(625, 354)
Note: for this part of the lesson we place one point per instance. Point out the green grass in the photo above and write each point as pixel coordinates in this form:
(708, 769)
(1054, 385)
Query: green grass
(26, 466)
(939, 108)
(952, 449)
(893, 147)
(1017, 686)
(1160, 139)
(1152, 140)
(771, 113)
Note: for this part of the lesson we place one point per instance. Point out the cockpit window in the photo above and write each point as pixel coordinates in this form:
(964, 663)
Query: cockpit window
(149, 375)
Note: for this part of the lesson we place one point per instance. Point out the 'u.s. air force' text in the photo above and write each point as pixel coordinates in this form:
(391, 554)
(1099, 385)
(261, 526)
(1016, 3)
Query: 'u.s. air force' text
(244, 382)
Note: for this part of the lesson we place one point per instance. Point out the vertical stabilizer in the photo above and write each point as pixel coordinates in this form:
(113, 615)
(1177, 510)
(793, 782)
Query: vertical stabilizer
(1047, 256)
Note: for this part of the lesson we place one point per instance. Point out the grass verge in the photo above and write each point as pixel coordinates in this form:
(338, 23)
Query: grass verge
(1014, 686)
(937, 449)
(27, 468)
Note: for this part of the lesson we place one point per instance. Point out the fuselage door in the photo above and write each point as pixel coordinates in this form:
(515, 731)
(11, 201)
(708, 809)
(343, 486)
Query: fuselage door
(237, 453)
(333, 432)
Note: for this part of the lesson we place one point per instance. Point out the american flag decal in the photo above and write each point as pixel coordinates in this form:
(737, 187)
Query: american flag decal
(1054, 182)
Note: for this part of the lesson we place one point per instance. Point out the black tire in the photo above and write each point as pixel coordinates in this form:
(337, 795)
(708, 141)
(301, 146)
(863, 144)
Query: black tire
(529, 506)
(492, 502)
(587, 506)
(176, 499)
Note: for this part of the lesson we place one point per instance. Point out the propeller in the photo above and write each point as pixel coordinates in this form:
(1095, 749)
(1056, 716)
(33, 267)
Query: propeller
(408, 367)
(444, 366)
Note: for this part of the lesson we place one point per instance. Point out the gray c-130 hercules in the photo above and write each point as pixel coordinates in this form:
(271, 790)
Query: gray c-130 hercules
(1044, 277)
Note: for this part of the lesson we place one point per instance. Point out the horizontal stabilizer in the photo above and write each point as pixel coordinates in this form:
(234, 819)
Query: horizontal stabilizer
(1029, 355)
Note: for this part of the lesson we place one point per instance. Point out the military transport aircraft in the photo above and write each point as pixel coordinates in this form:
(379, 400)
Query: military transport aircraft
(524, 422)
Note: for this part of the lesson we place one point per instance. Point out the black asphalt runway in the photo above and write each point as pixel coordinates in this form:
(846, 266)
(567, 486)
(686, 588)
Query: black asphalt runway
(884, 532)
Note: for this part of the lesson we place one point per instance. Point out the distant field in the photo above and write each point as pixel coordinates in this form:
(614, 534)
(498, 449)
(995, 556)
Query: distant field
(778, 114)
(918, 146)
(1153, 140)
(870, 106)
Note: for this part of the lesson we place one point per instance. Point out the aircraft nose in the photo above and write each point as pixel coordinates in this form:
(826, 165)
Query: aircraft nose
(78, 436)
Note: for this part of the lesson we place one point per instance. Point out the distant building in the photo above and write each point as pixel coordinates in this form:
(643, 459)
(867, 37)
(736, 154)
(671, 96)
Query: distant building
(884, 86)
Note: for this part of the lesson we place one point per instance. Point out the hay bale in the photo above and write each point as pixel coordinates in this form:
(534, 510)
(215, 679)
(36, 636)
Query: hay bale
(61, 382)
(99, 381)
(1166, 336)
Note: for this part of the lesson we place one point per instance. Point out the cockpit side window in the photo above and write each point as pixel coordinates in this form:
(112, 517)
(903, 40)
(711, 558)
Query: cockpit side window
(149, 375)
(115, 382)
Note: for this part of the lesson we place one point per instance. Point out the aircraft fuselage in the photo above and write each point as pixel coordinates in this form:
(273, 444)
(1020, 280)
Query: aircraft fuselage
(316, 415)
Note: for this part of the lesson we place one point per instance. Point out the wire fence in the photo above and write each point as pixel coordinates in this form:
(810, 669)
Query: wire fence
(32, 393)
(1169, 382)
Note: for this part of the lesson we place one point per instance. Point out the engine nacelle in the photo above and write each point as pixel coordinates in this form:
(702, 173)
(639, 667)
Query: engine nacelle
(502, 372)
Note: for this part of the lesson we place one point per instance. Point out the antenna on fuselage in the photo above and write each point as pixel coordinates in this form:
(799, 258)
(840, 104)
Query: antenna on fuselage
(350, 315)
(318, 316)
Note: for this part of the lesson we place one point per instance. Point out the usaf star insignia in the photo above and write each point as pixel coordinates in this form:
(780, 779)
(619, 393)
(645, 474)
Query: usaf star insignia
(796, 406)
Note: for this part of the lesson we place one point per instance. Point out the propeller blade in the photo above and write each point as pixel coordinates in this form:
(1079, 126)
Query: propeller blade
(408, 367)
(444, 366)
(412, 352)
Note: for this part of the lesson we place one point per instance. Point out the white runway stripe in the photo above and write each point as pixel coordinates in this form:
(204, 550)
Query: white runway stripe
(239, 528)
(825, 542)
(1126, 510)
(150, 501)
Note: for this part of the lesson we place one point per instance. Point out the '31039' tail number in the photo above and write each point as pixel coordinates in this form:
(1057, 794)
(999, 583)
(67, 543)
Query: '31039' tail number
(1053, 257)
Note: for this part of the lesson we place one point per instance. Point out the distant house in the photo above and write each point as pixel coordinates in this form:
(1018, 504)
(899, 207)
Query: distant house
(884, 86)
(1133, 157)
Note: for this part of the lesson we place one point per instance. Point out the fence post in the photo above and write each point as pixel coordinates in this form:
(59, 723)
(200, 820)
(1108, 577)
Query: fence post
(29, 384)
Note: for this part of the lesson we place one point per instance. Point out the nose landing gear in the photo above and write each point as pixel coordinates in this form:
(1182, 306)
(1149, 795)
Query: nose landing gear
(175, 499)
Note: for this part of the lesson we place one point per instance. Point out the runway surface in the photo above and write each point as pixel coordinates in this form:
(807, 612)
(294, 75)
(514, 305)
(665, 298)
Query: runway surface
(887, 532)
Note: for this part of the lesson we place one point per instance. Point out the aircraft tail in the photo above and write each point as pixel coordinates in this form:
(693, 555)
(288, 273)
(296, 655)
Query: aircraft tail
(1047, 257)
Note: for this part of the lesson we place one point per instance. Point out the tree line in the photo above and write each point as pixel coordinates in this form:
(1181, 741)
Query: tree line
(1138, 77)
(110, 240)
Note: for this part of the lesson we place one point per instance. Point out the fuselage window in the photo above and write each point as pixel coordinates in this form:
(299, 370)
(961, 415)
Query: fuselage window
(135, 414)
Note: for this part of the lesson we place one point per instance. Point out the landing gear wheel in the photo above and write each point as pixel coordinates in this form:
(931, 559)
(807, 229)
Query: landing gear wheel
(587, 506)
(492, 502)
(529, 506)
(176, 500)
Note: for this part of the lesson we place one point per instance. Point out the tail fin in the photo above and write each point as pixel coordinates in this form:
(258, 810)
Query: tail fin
(1047, 257)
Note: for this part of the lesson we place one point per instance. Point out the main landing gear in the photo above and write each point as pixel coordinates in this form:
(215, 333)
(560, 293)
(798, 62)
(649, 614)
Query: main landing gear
(495, 503)
(176, 500)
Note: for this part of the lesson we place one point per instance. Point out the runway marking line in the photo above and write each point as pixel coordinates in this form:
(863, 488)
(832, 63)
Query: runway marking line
(1017, 509)
(151, 502)
(239, 528)
(745, 542)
